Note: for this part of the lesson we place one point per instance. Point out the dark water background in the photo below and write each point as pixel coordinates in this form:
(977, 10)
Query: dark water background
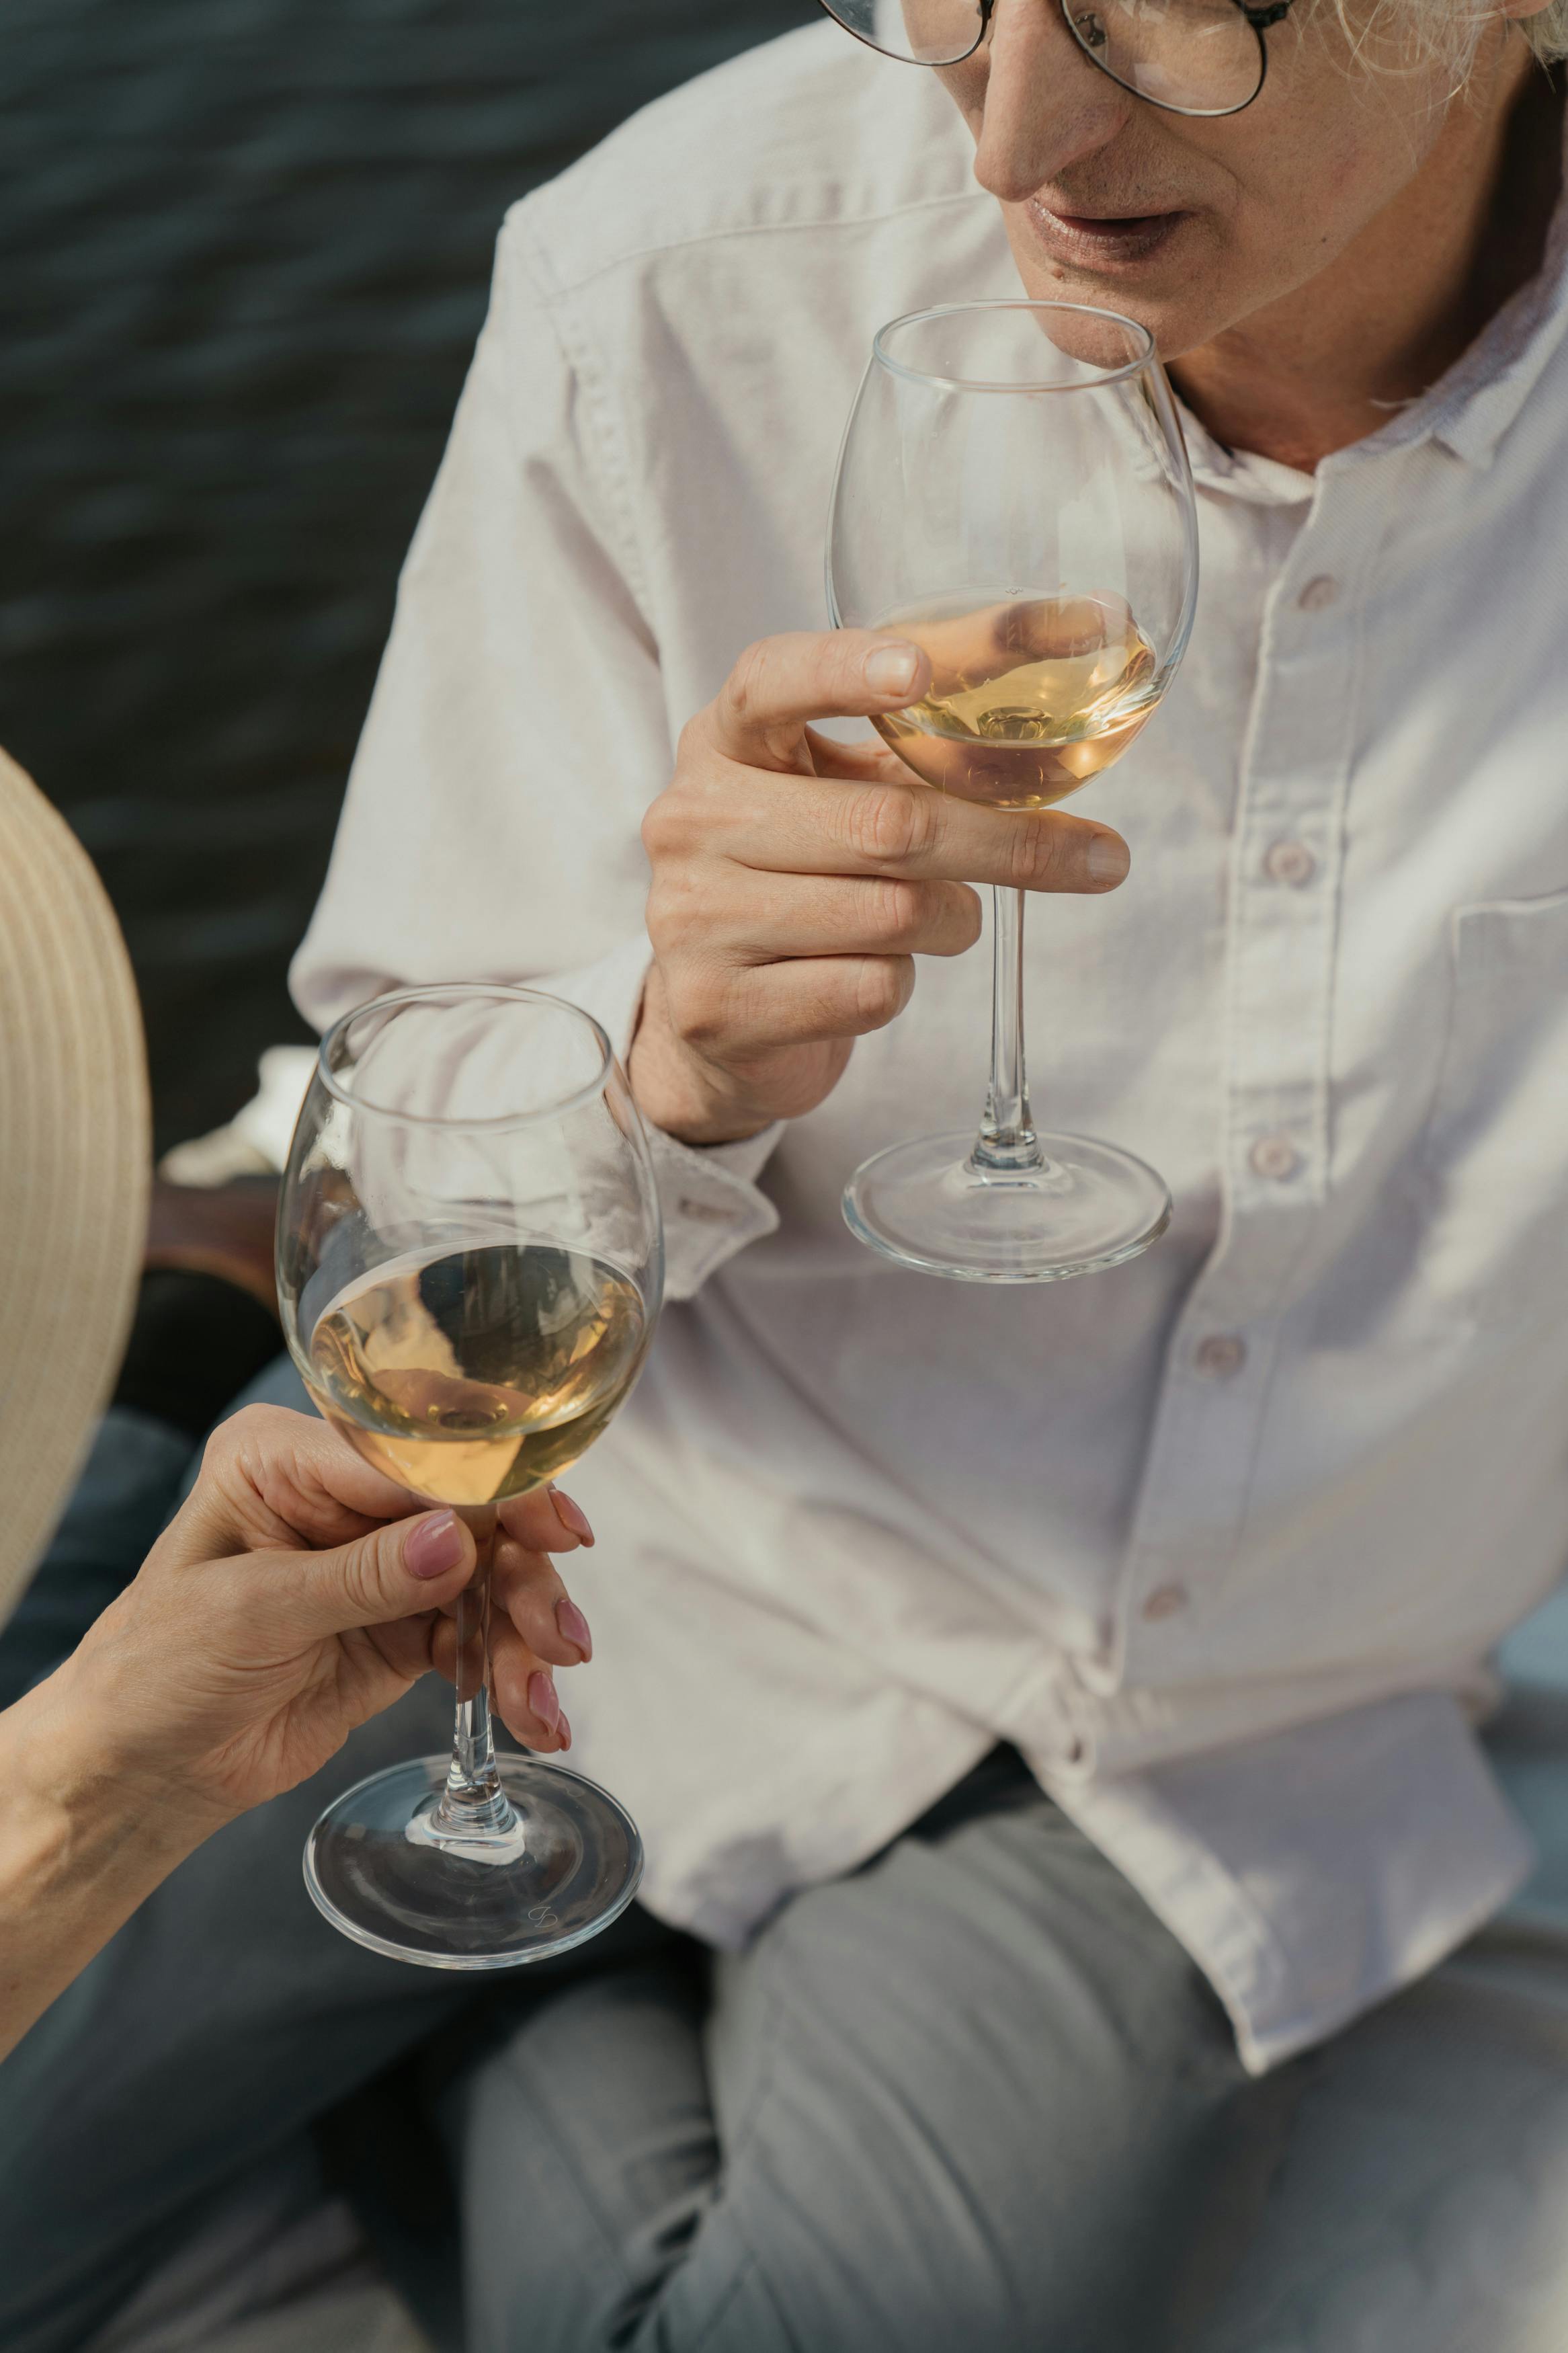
(244, 246)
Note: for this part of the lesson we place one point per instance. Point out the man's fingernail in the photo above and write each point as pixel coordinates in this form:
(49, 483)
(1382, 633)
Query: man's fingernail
(565, 1729)
(890, 670)
(571, 1517)
(542, 1700)
(433, 1545)
(1107, 859)
(574, 1625)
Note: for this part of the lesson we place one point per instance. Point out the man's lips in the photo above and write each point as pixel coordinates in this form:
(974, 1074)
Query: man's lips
(1097, 240)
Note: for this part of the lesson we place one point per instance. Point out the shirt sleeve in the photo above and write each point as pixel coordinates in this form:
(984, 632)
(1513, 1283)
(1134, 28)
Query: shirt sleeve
(516, 732)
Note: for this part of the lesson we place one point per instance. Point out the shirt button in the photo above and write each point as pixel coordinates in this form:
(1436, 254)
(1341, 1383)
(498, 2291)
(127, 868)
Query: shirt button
(1291, 862)
(1274, 1156)
(1222, 1354)
(1165, 1601)
(1319, 594)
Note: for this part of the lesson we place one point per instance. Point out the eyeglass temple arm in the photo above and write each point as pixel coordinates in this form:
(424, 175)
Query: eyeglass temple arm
(1259, 19)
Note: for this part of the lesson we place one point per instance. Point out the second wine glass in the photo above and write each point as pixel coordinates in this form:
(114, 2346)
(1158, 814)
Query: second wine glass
(1014, 495)
(470, 1261)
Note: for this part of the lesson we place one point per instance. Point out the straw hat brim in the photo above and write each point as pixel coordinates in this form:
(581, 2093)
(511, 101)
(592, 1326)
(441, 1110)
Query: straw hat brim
(75, 1159)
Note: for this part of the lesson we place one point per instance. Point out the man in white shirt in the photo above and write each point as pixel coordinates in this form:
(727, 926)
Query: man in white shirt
(1216, 1544)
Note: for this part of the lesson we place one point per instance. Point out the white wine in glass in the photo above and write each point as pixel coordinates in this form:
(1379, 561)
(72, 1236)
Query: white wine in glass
(1014, 496)
(479, 1373)
(469, 1263)
(1029, 697)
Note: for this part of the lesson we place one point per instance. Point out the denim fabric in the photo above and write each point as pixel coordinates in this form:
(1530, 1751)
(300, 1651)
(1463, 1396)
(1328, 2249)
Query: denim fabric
(130, 1483)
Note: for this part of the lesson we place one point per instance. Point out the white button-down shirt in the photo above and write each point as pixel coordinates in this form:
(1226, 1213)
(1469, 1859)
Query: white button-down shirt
(1221, 1539)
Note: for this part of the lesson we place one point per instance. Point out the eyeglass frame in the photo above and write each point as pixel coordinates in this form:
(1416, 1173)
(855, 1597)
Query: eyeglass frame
(1260, 18)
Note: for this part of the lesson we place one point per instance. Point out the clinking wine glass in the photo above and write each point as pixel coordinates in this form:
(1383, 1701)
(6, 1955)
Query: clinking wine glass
(1014, 495)
(469, 1263)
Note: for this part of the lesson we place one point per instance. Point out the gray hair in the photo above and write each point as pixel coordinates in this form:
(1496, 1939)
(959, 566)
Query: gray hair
(1413, 34)
(1548, 33)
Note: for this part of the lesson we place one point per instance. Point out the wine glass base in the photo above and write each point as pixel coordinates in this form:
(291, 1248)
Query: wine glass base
(376, 1873)
(925, 1205)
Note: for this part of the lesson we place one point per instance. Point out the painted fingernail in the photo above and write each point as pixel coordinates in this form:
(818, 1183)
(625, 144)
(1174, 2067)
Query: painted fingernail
(574, 1625)
(571, 1517)
(565, 1729)
(433, 1545)
(1107, 859)
(890, 670)
(542, 1700)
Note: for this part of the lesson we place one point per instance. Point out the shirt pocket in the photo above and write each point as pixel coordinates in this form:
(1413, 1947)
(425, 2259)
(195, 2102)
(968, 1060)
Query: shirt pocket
(1495, 1163)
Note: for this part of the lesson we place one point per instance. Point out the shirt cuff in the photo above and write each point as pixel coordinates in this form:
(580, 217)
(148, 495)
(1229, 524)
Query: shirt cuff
(709, 1196)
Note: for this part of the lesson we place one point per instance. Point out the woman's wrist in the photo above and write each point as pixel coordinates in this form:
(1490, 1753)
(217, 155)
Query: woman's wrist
(81, 1846)
(71, 1803)
(74, 1862)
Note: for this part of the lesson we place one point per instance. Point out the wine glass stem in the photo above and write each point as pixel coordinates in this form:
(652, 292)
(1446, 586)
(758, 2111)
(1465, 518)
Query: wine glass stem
(1006, 1142)
(473, 1804)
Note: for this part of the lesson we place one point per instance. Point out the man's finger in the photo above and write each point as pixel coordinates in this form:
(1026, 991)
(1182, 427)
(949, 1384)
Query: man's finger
(811, 824)
(969, 648)
(754, 919)
(780, 684)
(807, 1000)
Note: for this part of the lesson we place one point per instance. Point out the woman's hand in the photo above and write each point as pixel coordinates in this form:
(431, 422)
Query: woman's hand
(295, 1595)
(795, 879)
(298, 1593)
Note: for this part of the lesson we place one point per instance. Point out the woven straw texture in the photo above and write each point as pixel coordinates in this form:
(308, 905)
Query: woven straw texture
(74, 1161)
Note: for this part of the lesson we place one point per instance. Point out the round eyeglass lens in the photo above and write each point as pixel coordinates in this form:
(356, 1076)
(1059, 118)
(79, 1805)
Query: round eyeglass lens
(923, 32)
(1195, 57)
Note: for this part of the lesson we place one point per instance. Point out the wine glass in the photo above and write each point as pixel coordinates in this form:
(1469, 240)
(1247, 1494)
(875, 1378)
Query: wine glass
(1014, 495)
(469, 1265)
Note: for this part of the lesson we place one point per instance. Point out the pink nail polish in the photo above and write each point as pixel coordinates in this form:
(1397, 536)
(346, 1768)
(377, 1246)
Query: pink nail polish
(433, 1546)
(574, 1625)
(543, 1699)
(571, 1515)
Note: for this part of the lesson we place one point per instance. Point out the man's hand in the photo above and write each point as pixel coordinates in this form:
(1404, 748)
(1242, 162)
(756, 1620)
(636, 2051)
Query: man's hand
(297, 1594)
(795, 879)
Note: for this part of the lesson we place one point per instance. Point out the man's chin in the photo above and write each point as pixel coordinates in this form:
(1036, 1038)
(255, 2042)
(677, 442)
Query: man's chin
(1146, 274)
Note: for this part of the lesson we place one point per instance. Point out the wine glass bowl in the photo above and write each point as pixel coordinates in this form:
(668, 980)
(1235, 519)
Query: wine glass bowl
(1029, 697)
(1014, 496)
(469, 1269)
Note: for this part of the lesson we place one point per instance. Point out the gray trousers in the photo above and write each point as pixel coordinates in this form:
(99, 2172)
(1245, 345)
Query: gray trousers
(974, 2095)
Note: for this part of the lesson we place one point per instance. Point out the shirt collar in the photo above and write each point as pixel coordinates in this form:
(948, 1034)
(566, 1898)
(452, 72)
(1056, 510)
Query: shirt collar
(1240, 474)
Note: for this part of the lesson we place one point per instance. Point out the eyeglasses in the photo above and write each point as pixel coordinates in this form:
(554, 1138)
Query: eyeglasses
(1190, 56)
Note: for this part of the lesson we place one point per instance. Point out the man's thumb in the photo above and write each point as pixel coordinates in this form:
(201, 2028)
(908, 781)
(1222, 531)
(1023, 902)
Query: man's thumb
(391, 1572)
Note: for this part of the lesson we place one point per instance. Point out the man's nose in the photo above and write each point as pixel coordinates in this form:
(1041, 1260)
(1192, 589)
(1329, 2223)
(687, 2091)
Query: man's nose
(1046, 106)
